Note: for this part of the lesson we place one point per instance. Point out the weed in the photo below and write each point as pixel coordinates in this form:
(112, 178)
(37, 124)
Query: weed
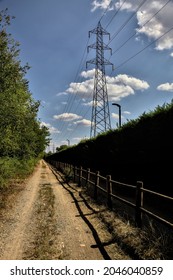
(43, 246)
(13, 168)
(153, 242)
(68, 174)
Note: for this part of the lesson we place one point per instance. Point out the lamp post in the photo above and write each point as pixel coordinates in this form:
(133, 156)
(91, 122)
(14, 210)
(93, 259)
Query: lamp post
(68, 142)
(119, 107)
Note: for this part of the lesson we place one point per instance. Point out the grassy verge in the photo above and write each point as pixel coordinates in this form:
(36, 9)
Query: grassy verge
(13, 173)
(153, 242)
(45, 229)
(13, 168)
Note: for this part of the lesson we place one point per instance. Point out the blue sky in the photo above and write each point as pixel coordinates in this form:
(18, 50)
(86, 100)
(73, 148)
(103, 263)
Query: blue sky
(54, 35)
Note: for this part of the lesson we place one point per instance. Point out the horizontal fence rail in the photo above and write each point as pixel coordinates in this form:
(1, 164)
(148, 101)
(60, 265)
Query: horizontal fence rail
(131, 195)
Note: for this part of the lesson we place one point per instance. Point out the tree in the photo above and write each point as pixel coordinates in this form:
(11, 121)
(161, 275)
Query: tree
(21, 134)
(62, 147)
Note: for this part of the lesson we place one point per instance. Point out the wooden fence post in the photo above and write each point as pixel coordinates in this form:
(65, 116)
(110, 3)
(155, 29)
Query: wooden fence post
(71, 168)
(139, 204)
(74, 173)
(80, 177)
(109, 191)
(96, 184)
(87, 177)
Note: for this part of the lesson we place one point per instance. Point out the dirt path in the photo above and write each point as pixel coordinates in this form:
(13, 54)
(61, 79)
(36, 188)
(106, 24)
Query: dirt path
(52, 220)
(73, 235)
(14, 227)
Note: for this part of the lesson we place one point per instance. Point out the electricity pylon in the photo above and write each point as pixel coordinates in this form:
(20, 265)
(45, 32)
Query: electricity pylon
(100, 119)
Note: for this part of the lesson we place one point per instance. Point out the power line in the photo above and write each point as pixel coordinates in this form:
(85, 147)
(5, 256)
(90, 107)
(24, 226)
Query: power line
(141, 27)
(115, 14)
(71, 98)
(133, 56)
(105, 12)
(130, 58)
(126, 22)
(100, 108)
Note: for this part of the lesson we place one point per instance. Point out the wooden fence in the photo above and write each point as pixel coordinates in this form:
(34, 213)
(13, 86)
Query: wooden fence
(157, 205)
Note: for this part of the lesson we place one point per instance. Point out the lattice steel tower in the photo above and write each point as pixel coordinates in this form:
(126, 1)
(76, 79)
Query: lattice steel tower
(100, 119)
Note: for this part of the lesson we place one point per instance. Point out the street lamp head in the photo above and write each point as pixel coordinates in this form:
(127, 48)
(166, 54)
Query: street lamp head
(119, 108)
(116, 104)
(68, 142)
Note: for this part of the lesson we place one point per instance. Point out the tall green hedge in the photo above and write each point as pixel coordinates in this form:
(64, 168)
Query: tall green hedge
(141, 149)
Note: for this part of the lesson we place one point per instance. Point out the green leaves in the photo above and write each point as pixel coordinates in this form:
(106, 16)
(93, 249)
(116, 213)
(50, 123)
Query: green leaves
(21, 135)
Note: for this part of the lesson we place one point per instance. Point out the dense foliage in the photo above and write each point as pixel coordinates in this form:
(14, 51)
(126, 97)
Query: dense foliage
(21, 135)
(140, 150)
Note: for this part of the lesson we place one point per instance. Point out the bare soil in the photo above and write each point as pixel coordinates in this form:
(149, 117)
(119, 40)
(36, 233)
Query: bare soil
(46, 218)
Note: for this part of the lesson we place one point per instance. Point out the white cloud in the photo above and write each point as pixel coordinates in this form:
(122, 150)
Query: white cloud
(82, 88)
(118, 87)
(115, 116)
(88, 74)
(126, 112)
(156, 26)
(83, 122)
(77, 138)
(171, 54)
(90, 103)
(67, 117)
(123, 85)
(51, 128)
(117, 92)
(166, 87)
(61, 93)
(134, 83)
(102, 4)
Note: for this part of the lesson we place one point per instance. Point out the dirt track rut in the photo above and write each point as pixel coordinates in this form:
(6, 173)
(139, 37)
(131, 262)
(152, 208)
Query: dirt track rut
(76, 232)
